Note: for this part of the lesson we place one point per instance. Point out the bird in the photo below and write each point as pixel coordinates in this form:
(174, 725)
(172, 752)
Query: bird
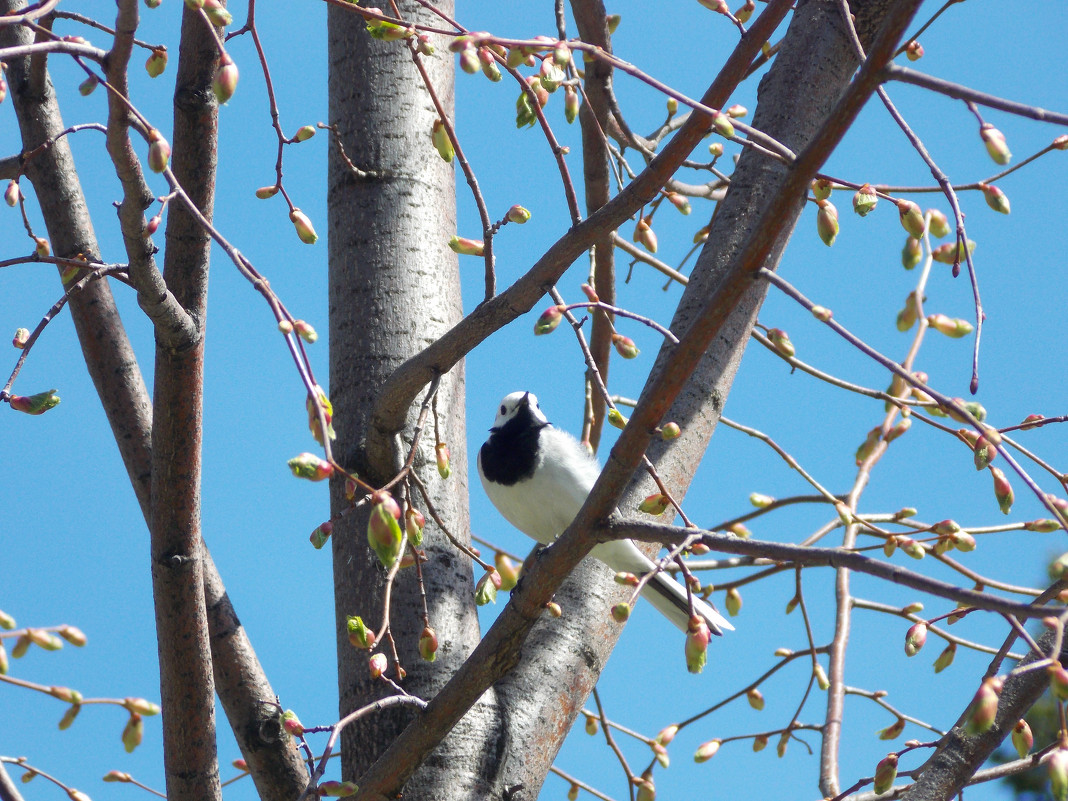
(538, 476)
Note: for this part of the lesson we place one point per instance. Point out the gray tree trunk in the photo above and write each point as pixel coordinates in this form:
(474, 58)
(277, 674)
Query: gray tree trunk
(394, 288)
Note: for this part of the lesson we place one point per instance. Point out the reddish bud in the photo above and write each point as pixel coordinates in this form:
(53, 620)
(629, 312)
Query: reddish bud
(508, 570)
(442, 142)
(625, 346)
(911, 217)
(698, 636)
(995, 198)
(945, 659)
(291, 723)
(12, 193)
(914, 51)
(667, 734)
(303, 224)
(706, 751)
(310, 467)
(22, 336)
(655, 504)
(912, 253)
(383, 529)
(117, 776)
(864, 200)
(1002, 490)
(486, 589)
(781, 340)
(755, 698)
(953, 252)
(548, 321)
(952, 327)
(984, 707)
(1022, 738)
(34, 404)
(377, 666)
(885, 774)
(1058, 774)
(517, 215)
(441, 457)
(721, 124)
(915, 637)
(428, 644)
(360, 636)
(827, 222)
(467, 247)
(995, 143)
(133, 732)
(644, 235)
(733, 601)
(893, 731)
(225, 82)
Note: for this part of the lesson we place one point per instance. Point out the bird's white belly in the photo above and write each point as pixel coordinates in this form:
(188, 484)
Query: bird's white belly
(545, 504)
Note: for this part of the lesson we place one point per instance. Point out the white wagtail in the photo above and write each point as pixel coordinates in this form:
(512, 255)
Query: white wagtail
(538, 477)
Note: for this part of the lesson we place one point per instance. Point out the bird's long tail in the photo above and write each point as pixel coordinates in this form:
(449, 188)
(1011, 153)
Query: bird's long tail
(669, 598)
(665, 594)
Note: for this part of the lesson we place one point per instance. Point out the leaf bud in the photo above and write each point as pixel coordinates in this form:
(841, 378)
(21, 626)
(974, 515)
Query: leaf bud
(995, 143)
(893, 731)
(303, 224)
(311, 467)
(225, 82)
(698, 636)
(304, 133)
(864, 200)
(821, 677)
(133, 732)
(827, 222)
(984, 707)
(655, 504)
(781, 340)
(1022, 738)
(938, 223)
(645, 235)
(442, 458)
(34, 404)
(911, 217)
(360, 636)
(914, 51)
(217, 13)
(377, 665)
(621, 612)
(733, 602)
(953, 252)
(945, 659)
(885, 774)
(912, 253)
(755, 698)
(821, 188)
(159, 151)
(291, 723)
(915, 638)
(12, 193)
(616, 419)
(706, 751)
(625, 346)
(486, 589)
(1002, 490)
(507, 569)
(995, 198)
(428, 644)
(467, 247)
(86, 87)
(952, 327)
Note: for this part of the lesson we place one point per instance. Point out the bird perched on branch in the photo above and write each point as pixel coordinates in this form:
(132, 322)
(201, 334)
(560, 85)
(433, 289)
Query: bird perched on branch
(538, 477)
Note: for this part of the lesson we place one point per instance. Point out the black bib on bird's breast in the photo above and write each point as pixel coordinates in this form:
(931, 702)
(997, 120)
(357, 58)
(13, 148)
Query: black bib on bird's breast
(511, 453)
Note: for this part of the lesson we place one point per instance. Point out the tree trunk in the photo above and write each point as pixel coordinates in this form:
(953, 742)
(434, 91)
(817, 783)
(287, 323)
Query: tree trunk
(394, 288)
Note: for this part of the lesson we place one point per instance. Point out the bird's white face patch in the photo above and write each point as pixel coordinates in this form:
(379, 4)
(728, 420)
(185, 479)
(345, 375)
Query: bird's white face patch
(512, 403)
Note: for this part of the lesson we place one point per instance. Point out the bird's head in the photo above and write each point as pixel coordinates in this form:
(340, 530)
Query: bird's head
(519, 405)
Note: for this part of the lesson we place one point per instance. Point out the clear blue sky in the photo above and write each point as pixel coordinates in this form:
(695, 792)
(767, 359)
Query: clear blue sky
(75, 548)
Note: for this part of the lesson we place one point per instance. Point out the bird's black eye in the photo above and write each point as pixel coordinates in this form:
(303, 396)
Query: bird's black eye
(504, 409)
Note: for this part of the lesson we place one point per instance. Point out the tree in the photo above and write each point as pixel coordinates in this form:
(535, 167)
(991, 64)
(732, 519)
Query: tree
(486, 716)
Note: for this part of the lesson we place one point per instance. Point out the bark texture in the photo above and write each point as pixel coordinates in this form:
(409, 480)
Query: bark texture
(394, 289)
(187, 687)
